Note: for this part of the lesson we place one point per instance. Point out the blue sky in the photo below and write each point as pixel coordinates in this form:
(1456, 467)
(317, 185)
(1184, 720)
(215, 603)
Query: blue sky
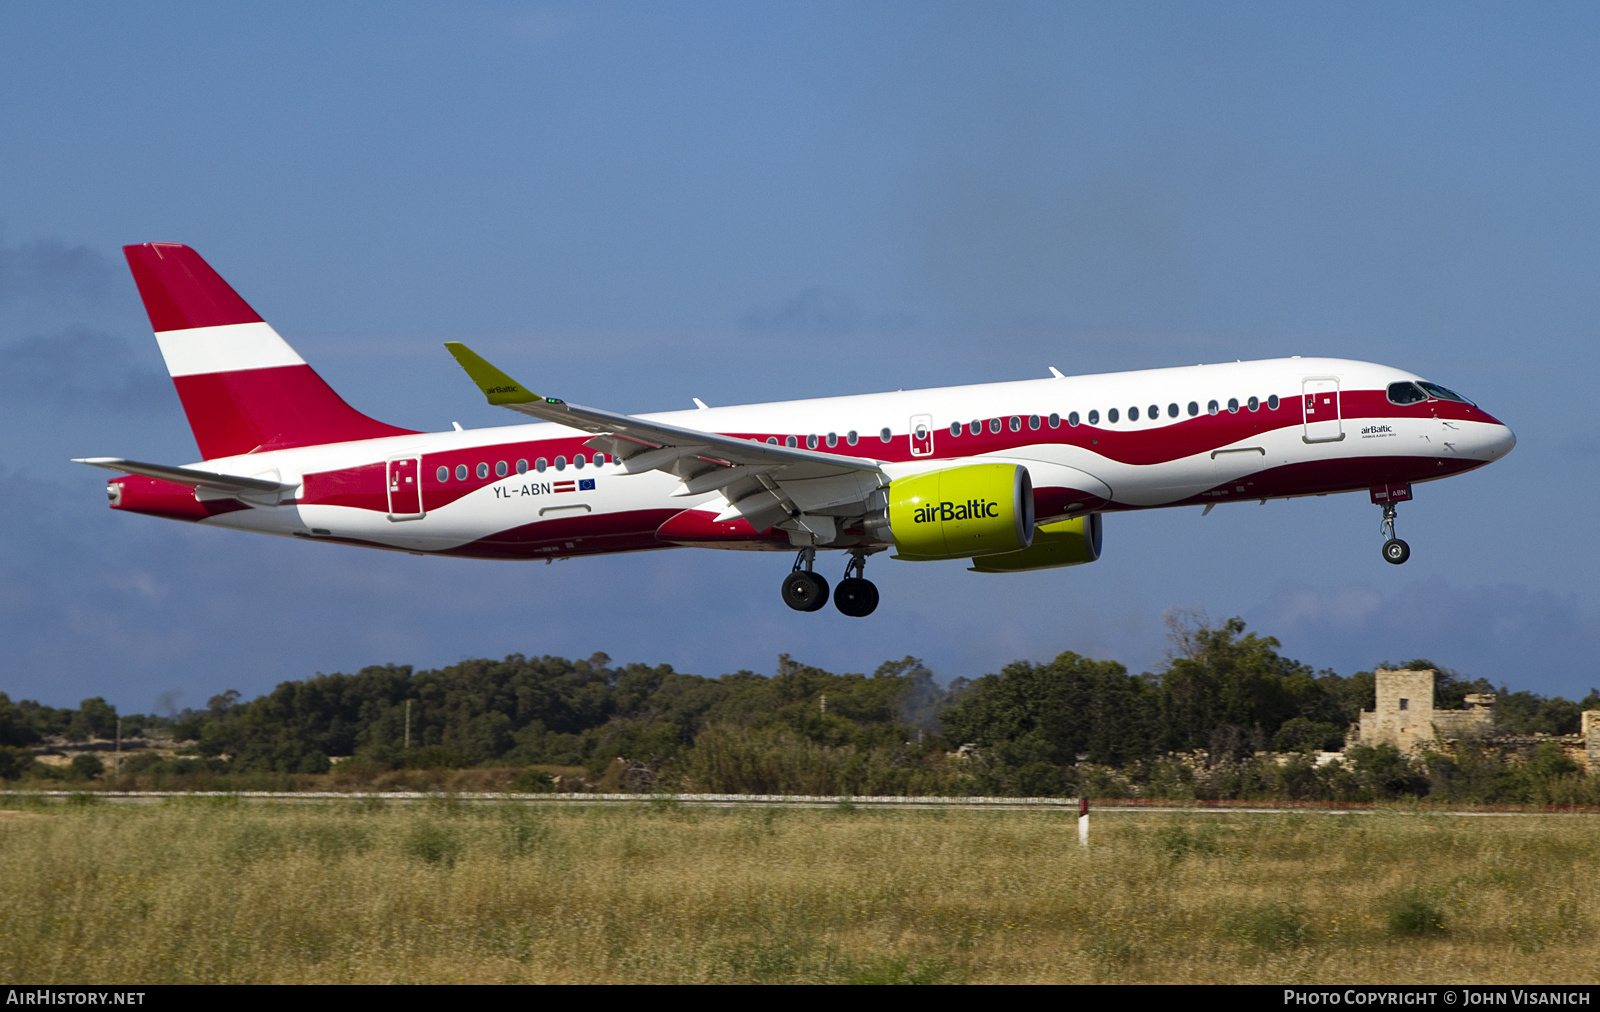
(636, 204)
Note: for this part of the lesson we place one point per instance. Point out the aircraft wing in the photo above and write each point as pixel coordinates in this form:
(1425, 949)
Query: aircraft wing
(187, 476)
(765, 484)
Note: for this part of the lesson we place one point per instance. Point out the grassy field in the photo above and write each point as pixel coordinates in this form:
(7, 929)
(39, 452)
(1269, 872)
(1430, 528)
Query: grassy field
(236, 893)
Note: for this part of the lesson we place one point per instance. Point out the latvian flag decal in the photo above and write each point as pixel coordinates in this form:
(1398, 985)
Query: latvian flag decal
(565, 486)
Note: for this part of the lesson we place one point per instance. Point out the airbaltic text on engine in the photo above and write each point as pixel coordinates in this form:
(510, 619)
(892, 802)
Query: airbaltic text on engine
(947, 510)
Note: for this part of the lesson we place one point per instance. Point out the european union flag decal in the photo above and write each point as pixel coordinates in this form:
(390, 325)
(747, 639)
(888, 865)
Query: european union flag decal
(585, 484)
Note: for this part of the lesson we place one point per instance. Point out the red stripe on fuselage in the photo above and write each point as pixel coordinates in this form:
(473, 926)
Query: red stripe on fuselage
(362, 487)
(1324, 477)
(590, 534)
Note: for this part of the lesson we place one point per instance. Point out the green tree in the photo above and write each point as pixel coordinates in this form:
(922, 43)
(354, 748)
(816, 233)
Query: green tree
(86, 766)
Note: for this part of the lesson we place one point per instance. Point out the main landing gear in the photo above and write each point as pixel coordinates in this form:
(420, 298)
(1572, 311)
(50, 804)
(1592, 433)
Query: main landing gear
(856, 595)
(1395, 551)
(806, 590)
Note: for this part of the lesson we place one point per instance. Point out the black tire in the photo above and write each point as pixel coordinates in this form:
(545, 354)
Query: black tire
(804, 591)
(1396, 551)
(855, 597)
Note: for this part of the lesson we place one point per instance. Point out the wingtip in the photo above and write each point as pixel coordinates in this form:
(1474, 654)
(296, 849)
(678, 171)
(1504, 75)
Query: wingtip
(498, 387)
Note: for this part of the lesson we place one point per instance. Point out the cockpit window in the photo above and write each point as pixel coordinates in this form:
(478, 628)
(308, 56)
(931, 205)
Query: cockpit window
(1443, 394)
(1405, 393)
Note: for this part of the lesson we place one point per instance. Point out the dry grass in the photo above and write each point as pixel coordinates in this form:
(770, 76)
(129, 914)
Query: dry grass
(194, 891)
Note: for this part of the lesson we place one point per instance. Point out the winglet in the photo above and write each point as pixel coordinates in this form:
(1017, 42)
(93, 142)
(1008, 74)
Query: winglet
(496, 385)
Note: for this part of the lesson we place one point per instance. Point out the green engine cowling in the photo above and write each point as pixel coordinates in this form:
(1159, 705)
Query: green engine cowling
(959, 512)
(1063, 543)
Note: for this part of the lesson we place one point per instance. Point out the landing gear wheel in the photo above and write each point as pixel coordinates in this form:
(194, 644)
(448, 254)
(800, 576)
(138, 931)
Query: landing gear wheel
(1396, 551)
(805, 591)
(855, 597)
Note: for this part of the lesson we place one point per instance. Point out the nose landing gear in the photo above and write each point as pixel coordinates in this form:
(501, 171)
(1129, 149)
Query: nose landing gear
(1395, 551)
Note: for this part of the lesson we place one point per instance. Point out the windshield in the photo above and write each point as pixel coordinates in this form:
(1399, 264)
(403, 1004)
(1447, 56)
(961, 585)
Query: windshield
(1443, 394)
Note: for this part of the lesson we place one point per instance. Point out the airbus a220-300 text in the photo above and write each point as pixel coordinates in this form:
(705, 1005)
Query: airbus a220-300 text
(1010, 476)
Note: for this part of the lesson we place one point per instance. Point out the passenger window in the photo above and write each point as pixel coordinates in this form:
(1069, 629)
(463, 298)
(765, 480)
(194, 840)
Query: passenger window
(1133, 415)
(1272, 402)
(790, 441)
(443, 474)
(1253, 404)
(1111, 416)
(1194, 409)
(1016, 424)
(500, 469)
(1033, 421)
(1155, 412)
(1055, 420)
(483, 470)
(539, 465)
(851, 437)
(811, 441)
(976, 427)
(885, 435)
(994, 425)
(561, 463)
(1172, 411)
(578, 462)
(522, 466)
(461, 472)
(773, 440)
(1094, 418)
(1211, 407)
(833, 439)
(955, 428)
(1072, 419)
(1233, 405)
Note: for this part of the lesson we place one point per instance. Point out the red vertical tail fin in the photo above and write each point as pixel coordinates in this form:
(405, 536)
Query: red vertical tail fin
(242, 386)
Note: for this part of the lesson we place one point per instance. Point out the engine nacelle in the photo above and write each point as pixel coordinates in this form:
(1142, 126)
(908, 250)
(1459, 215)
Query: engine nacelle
(957, 513)
(1063, 543)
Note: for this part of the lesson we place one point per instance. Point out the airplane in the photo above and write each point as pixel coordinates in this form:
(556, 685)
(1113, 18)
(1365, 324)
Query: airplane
(1011, 476)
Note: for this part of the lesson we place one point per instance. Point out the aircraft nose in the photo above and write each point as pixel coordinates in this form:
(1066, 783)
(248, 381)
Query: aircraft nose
(1501, 440)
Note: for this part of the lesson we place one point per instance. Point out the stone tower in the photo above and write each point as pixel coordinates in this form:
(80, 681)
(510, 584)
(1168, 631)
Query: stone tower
(1404, 716)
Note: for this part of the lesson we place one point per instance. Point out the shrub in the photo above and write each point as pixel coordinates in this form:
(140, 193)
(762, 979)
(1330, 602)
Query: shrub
(1414, 917)
(433, 843)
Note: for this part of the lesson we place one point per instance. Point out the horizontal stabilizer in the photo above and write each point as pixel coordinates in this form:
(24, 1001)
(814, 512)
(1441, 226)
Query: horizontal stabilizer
(186, 475)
